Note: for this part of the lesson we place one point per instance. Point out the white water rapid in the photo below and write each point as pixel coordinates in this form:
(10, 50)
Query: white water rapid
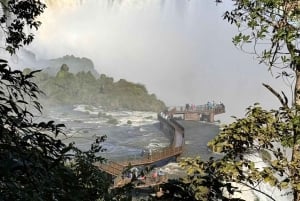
(181, 50)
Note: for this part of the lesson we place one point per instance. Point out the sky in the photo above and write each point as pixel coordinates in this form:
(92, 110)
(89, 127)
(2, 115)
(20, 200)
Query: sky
(181, 50)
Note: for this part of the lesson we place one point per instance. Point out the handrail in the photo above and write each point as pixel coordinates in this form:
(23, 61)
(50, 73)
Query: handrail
(217, 109)
(170, 121)
(116, 168)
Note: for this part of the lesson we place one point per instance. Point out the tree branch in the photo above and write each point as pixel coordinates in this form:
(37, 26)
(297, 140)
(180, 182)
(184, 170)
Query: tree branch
(265, 194)
(283, 101)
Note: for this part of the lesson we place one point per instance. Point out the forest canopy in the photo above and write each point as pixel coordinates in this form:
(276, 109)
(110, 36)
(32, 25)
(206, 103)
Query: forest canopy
(83, 88)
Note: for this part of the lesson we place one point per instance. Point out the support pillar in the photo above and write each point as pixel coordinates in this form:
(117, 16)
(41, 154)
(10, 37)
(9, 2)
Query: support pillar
(211, 117)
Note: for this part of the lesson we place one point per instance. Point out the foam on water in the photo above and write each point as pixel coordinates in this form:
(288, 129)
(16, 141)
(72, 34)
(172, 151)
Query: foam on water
(89, 109)
(85, 122)
(156, 145)
(277, 194)
(95, 121)
(137, 118)
(174, 170)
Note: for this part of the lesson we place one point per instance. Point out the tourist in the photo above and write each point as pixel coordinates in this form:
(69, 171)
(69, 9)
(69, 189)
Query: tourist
(154, 175)
(187, 107)
(143, 152)
(160, 172)
(149, 154)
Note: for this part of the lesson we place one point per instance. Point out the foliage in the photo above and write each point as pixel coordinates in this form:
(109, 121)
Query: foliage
(17, 15)
(271, 27)
(268, 29)
(67, 88)
(176, 190)
(124, 193)
(265, 156)
(76, 65)
(92, 183)
(205, 180)
(260, 130)
(34, 163)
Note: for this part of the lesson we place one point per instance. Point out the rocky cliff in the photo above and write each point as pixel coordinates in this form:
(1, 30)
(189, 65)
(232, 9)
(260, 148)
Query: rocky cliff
(82, 87)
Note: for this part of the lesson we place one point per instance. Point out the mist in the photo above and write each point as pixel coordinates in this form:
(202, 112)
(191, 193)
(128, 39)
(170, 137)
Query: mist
(180, 50)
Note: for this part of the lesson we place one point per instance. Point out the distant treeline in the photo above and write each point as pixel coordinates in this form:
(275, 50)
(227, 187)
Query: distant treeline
(84, 88)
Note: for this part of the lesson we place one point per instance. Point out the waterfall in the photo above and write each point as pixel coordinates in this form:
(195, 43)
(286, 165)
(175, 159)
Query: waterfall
(62, 3)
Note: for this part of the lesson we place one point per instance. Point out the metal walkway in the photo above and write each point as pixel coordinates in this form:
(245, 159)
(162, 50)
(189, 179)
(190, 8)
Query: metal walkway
(195, 112)
(117, 168)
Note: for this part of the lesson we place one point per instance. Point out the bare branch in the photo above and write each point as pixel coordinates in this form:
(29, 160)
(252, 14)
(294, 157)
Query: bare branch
(265, 194)
(283, 101)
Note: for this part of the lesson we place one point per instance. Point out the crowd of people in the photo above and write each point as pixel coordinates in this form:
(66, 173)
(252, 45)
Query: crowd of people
(210, 105)
(143, 177)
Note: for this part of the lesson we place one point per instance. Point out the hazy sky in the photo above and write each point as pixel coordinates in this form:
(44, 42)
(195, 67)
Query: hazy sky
(180, 50)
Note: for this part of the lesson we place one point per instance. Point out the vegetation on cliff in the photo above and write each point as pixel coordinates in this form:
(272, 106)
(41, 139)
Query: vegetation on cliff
(84, 88)
(75, 64)
(34, 163)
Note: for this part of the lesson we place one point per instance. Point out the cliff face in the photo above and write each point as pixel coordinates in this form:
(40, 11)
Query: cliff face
(84, 88)
(74, 80)
(75, 64)
(27, 59)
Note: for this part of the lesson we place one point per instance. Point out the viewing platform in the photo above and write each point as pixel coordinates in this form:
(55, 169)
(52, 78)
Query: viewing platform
(116, 168)
(195, 112)
(175, 130)
(152, 158)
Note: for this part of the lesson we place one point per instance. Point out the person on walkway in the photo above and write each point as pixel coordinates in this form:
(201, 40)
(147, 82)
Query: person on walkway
(143, 152)
(150, 154)
(154, 175)
(187, 107)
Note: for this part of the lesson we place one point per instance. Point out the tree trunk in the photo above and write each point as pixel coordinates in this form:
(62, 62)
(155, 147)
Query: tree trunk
(297, 88)
(6, 12)
(296, 149)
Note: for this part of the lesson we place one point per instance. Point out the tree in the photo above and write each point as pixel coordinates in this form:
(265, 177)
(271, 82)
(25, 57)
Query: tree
(201, 182)
(270, 30)
(17, 15)
(34, 163)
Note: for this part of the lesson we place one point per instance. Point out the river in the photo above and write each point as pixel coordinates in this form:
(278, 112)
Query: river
(83, 123)
(127, 141)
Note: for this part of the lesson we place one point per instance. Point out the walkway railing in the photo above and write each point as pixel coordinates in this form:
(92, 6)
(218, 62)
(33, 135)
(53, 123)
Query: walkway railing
(170, 121)
(207, 108)
(116, 168)
(112, 168)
